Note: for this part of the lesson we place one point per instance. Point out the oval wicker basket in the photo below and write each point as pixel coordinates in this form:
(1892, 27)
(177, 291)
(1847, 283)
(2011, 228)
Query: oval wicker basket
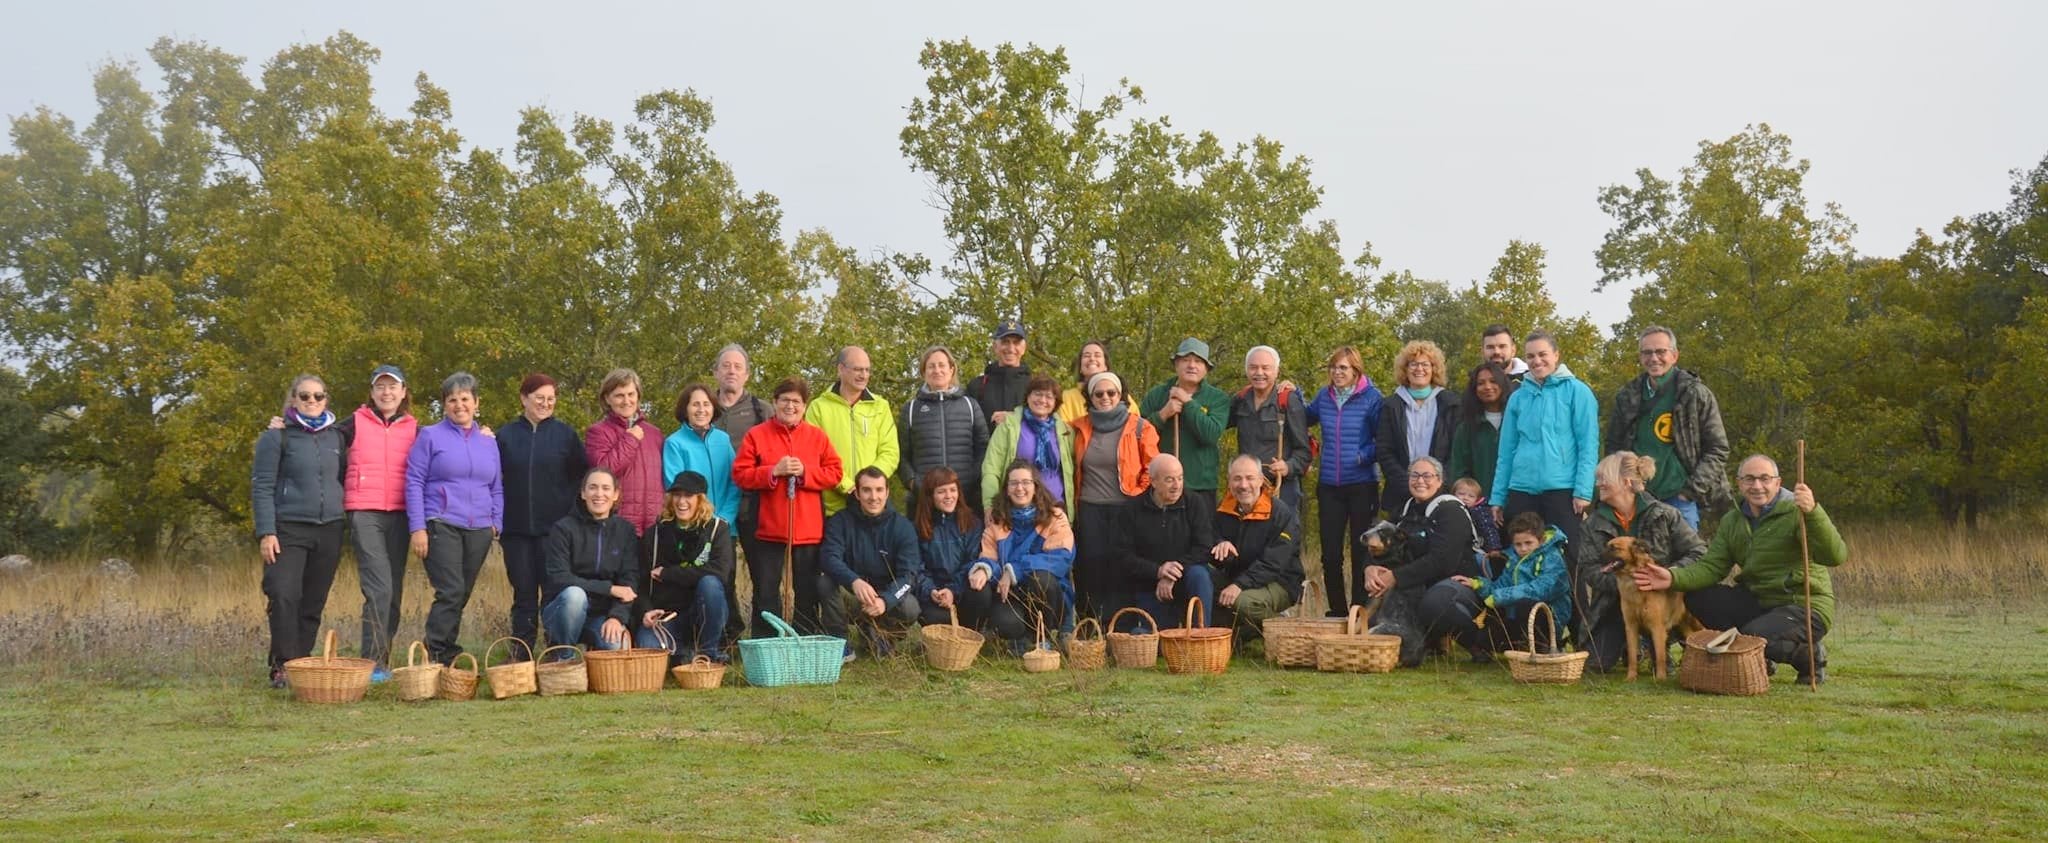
(950, 646)
(1195, 649)
(456, 684)
(1291, 642)
(1540, 668)
(1133, 649)
(636, 670)
(1724, 663)
(1358, 651)
(510, 680)
(328, 678)
(417, 681)
(1087, 653)
(565, 677)
(700, 674)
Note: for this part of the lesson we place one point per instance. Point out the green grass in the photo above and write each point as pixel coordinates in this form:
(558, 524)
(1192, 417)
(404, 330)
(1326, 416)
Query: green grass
(1931, 726)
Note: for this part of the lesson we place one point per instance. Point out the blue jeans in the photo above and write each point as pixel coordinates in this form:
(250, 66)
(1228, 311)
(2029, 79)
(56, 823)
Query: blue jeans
(569, 620)
(1690, 510)
(700, 624)
(1195, 581)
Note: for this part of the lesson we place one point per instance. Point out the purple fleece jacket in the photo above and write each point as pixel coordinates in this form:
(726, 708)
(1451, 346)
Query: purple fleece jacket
(452, 475)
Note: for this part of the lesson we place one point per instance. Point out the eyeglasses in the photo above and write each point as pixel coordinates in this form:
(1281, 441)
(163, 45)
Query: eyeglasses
(858, 370)
(1756, 479)
(1423, 475)
(1418, 364)
(789, 402)
(312, 396)
(1654, 352)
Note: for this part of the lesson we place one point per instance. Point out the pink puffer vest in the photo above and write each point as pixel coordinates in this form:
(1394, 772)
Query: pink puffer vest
(376, 462)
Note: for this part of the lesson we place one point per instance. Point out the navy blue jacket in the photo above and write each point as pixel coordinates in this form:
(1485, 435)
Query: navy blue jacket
(543, 469)
(880, 549)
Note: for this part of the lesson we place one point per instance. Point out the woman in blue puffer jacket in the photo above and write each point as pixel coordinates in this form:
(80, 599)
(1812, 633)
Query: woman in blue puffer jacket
(1348, 484)
(949, 540)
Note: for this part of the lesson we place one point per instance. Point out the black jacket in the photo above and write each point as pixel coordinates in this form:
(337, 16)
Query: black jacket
(1268, 544)
(943, 429)
(297, 476)
(542, 466)
(1259, 429)
(1392, 438)
(1000, 389)
(1148, 534)
(881, 549)
(1442, 543)
(593, 555)
(684, 555)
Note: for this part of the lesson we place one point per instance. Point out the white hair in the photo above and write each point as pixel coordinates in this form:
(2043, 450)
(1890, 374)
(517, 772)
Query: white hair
(1265, 348)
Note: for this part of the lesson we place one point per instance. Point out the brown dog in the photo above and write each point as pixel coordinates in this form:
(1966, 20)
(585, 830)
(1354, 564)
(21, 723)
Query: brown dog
(1655, 612)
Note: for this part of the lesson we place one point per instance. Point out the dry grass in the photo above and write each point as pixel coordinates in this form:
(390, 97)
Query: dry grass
(1907, 562)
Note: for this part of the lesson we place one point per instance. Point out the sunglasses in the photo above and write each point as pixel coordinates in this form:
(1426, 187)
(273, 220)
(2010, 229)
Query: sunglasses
(312, 396)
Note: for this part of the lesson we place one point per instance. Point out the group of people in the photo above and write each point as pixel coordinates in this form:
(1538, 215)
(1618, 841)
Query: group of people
(1032, 505)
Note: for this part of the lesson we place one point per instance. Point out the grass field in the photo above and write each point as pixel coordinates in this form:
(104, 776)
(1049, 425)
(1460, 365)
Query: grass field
(138, 711)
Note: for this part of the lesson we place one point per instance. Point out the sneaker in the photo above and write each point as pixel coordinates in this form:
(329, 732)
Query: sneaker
(277, 680)
(380, 675)
(848, 656)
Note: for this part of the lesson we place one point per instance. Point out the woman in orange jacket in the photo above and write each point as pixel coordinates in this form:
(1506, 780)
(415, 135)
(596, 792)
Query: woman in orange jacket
(1113, 448)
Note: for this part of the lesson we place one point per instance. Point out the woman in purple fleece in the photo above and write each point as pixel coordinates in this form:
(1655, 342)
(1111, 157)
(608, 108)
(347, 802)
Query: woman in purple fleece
(455, 502)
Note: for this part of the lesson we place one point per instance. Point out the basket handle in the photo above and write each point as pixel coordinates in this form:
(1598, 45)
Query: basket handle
(1151, 622)
(782, 628)
(508, 649)
(667, 639)
(1194, 603)
(1041, 643)
(953, 613)
(1721, 642)
(1354, 621)
(418, 648)
(1087, 622)
(1532, 628)
(460, 657)
(327, 652)
(701, 661)
(570, 647)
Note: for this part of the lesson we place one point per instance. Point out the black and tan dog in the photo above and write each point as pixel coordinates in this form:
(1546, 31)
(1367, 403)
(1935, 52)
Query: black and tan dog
(1655, 612)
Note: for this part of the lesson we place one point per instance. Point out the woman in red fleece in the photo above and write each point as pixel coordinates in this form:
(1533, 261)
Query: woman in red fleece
(625, 443)
(790, 463)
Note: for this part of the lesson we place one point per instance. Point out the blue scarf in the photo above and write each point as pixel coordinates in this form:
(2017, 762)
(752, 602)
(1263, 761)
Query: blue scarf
(314, 424)
(1046, 454)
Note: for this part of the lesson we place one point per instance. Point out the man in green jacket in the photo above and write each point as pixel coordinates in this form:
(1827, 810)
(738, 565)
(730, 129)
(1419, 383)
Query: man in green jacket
(1668, 414)
(1767, 600)
(1191, 415)
(858, 422)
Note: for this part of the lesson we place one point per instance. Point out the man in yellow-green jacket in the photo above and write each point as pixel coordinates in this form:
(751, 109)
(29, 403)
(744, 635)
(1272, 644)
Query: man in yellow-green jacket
(1768, 598)
(857, 421)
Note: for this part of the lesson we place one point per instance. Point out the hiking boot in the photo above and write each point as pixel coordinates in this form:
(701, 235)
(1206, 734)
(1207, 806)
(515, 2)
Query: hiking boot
(277, 680)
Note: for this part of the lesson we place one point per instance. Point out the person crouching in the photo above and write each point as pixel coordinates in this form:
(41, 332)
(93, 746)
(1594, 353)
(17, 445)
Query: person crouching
(871, 564)
(689, 574)
(592, 576)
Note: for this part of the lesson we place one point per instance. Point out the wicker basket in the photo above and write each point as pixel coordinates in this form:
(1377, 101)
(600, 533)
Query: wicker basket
(1358, 651)
(1538, 668)
(700, 674)
(565, 677)
(1087, 653)
(458, 685)
(789, 658)
(510, 680)
(638, 670)
(1133, 649)
(1041, 658)
(950, 646)
(1196, 649)
(327, 678)
(1724, 663)
(1291, 642)
(417, 681)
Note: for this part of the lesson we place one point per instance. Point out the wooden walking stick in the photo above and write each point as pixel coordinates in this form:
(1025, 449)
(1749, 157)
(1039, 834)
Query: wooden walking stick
(789, 553)
(1806, 557)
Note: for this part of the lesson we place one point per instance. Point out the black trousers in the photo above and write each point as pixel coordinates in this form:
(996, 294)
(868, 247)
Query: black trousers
(525, 569)
(1098, 585)
(1016, 619)
(295, 586)
(971, 604)
(764, 568)
(1555, 507)
(1783, 628)
(454, 557)
(1343, 514)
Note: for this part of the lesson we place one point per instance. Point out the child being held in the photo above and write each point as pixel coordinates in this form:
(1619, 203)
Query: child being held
(1468, 492)
(1534, 573)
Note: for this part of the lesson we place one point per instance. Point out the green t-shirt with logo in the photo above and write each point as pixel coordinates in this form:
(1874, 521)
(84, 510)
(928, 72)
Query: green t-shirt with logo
(1653, 436)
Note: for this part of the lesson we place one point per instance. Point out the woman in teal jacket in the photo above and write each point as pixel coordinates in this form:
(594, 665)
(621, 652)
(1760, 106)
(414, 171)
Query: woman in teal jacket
(1549, 443)
(700, 445)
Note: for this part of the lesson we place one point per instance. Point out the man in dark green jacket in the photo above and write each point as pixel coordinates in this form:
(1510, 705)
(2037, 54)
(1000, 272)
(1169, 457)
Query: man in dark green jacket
(1191, 415)
(1767, 600)
(1669, 415)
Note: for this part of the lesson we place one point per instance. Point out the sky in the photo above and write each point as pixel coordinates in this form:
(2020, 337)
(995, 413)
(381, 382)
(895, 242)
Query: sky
(1439, 131)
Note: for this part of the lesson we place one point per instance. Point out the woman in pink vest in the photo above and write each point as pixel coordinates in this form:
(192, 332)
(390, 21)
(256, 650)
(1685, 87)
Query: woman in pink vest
(625, 443)
(373, 494)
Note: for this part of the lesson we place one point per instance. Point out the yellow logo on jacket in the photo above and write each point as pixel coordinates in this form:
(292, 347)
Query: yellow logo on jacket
(1663, 428)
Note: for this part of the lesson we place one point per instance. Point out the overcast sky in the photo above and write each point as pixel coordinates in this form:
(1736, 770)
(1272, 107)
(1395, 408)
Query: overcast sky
(1439, 131)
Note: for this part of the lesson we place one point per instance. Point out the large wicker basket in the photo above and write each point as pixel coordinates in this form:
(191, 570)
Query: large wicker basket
(565, 677)
(1540, 668)
(1133, 649)
(1087, 653)
(1196, 649)
(420, 678)
(457, 684)
(636, 670)
(1358, 651)
(328, 678)
(950, 646)
(510, 680)
(789, 658)
(1291, 641)
(1724, 663)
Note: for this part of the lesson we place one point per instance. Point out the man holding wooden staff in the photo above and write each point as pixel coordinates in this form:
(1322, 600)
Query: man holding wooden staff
(1272, 425)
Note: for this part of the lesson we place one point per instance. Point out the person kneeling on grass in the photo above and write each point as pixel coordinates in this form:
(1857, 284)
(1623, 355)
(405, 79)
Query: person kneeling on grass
(1419, 599)
(1534, 572)
(1027, 552)
(689, 575)
(1767, 600)
(591, 570)
(1165, 542)
(870, 565)
(949, 541)
(1256, 550)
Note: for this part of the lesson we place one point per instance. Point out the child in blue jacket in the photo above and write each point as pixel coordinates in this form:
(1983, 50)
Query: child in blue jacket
(1534, 573)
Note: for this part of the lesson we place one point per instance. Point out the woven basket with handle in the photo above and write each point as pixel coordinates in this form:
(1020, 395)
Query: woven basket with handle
(510, 680)
(1195, 649)
(1358, 651)
(457, 684)
(1545, 668)
(1291, 642)
(417, 681)
(1134, 649)
(1041, 658)
(1724, 663)
(950, 646)
(328, 678)
(699, 674)
(1087, 653)
(565, 677)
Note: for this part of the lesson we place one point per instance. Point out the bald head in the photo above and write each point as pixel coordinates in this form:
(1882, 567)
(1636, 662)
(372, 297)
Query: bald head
(1168, 482)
